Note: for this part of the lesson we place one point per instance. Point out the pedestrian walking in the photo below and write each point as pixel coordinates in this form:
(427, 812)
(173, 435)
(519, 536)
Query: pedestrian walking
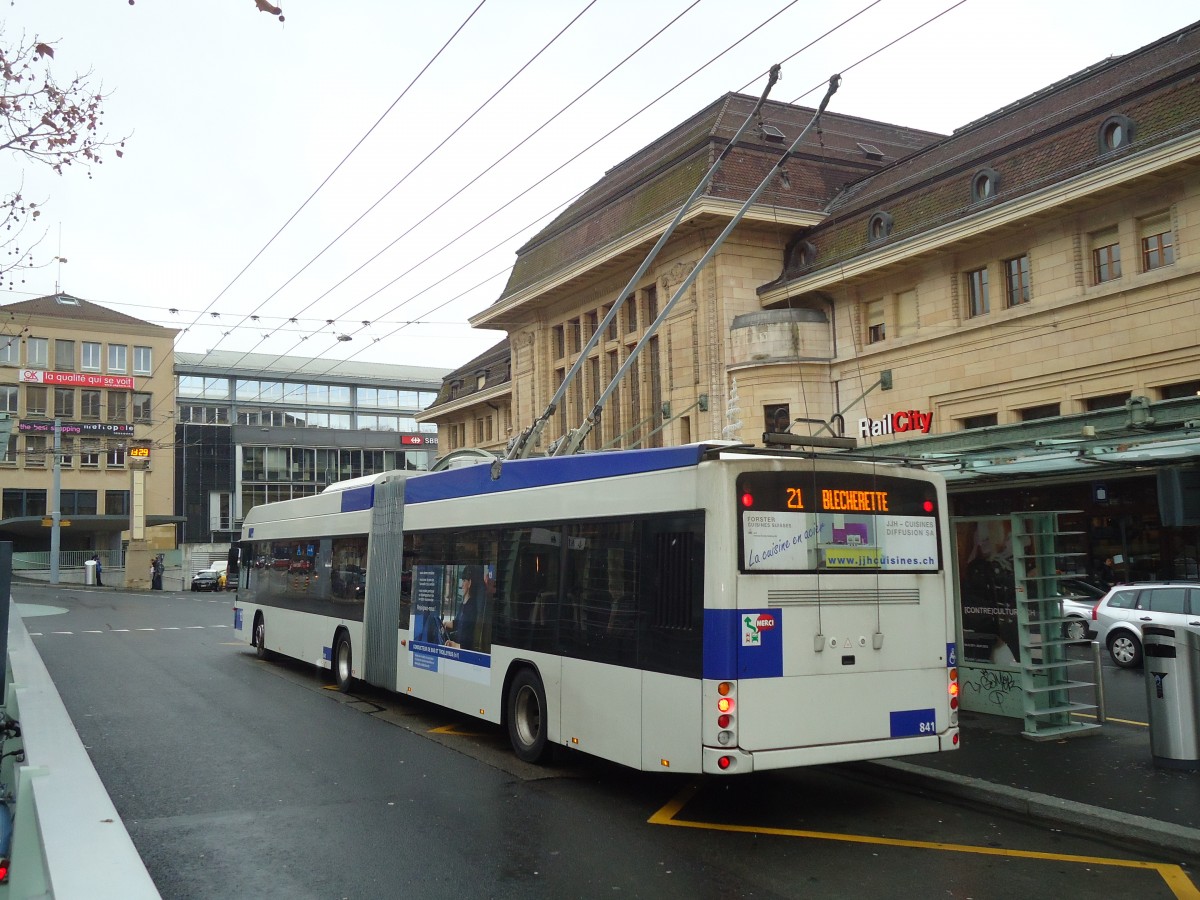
(99, 569)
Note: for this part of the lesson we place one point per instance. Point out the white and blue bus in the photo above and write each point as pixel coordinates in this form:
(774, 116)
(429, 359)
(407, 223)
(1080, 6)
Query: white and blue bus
(705, 608)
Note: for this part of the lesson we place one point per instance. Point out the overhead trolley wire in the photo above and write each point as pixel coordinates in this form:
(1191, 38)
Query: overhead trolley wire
(437, 147)
(336, 168)
(555, 171)
(419, 319)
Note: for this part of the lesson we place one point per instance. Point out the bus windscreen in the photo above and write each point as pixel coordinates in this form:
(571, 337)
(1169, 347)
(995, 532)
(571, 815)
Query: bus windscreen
(834, 522)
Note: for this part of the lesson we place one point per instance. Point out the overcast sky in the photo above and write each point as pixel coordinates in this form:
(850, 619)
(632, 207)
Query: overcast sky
(234, 120)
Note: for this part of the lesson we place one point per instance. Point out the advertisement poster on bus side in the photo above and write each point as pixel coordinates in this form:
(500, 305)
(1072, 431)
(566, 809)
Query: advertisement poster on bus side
(449, 620)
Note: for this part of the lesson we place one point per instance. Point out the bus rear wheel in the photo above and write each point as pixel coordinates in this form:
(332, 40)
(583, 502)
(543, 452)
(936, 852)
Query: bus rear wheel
(343, 662)
(526, 708)
(260, 637)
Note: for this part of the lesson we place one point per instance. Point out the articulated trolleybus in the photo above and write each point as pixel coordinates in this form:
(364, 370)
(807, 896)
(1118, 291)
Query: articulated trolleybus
(705, 608)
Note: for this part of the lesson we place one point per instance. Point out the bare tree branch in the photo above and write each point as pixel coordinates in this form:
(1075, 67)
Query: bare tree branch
(48, 123)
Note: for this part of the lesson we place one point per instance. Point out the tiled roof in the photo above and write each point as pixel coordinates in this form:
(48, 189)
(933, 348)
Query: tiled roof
(77, 308)
(493, 363)
(1041, 140)
(657, 179)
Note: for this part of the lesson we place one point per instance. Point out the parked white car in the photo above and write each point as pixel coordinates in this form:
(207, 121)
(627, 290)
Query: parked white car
(1125, 609)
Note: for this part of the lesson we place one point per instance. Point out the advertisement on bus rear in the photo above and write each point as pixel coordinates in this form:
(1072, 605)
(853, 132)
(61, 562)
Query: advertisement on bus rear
(797, 522)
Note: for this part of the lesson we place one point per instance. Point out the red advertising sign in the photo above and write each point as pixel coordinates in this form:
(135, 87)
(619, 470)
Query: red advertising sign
(77, 379)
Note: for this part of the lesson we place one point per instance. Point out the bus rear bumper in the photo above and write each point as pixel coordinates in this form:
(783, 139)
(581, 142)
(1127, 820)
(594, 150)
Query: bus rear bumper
(741, 762)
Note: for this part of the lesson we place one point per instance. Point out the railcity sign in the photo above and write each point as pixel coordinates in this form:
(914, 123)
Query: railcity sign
(896, 423)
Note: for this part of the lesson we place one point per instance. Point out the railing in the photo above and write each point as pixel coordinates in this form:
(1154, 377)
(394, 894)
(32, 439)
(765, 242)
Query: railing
(68, 840)
(39, 561)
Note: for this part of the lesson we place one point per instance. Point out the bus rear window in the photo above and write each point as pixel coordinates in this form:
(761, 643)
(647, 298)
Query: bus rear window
(831, 522)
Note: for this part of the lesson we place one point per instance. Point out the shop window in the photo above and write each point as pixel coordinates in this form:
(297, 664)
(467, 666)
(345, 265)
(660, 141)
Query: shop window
(116, 503)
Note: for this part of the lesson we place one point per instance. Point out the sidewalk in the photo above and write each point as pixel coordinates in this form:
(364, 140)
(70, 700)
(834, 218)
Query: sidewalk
(1105, 783)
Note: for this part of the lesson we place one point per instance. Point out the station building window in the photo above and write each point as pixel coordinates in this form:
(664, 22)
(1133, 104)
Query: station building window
(1044, 411)
(977, 292)
(985, 420)
(1106, 256)
(1106, 401)
(1016, 280)
(1158, 245)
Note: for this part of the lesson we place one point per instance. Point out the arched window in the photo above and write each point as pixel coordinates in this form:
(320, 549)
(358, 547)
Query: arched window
(879, 226)
(1116, 133)
(984, 185)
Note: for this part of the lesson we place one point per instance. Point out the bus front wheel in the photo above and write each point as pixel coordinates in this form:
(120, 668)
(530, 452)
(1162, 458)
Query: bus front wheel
(343, 662)
(527, 716)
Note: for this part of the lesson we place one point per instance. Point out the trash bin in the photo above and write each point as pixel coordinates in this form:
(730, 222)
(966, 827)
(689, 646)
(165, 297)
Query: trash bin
(1171, 657)
(89, 571)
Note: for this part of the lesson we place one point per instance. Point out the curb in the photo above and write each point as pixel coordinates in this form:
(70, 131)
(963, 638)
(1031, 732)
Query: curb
(1124, 827)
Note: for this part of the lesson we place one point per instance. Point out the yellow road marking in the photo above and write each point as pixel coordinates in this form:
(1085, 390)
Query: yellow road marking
(1111, 719)
(453, 729)
(1173, 875)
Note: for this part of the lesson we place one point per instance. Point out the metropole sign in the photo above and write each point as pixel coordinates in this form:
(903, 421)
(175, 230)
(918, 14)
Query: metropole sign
(77, 379)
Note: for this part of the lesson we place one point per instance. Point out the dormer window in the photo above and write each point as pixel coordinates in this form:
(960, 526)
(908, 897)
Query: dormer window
(480, 379)
(879, 227)
(770, 133)
(870, 151)
(1116, 133)
(984, 185)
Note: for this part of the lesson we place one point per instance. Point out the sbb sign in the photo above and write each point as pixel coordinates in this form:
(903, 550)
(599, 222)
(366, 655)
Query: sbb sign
(896, 423)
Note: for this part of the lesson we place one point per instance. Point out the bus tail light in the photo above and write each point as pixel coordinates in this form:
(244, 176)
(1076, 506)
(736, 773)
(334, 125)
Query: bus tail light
(952, 689)
(726, 720)
(724, 762)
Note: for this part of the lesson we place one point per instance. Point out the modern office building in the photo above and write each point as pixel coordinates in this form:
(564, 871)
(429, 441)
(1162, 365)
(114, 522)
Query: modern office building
(107, 379)
(252, 428)
(1014, 303)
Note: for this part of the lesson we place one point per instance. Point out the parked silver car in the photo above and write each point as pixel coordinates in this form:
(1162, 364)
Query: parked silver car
(1080, 597)
(1123, 611)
